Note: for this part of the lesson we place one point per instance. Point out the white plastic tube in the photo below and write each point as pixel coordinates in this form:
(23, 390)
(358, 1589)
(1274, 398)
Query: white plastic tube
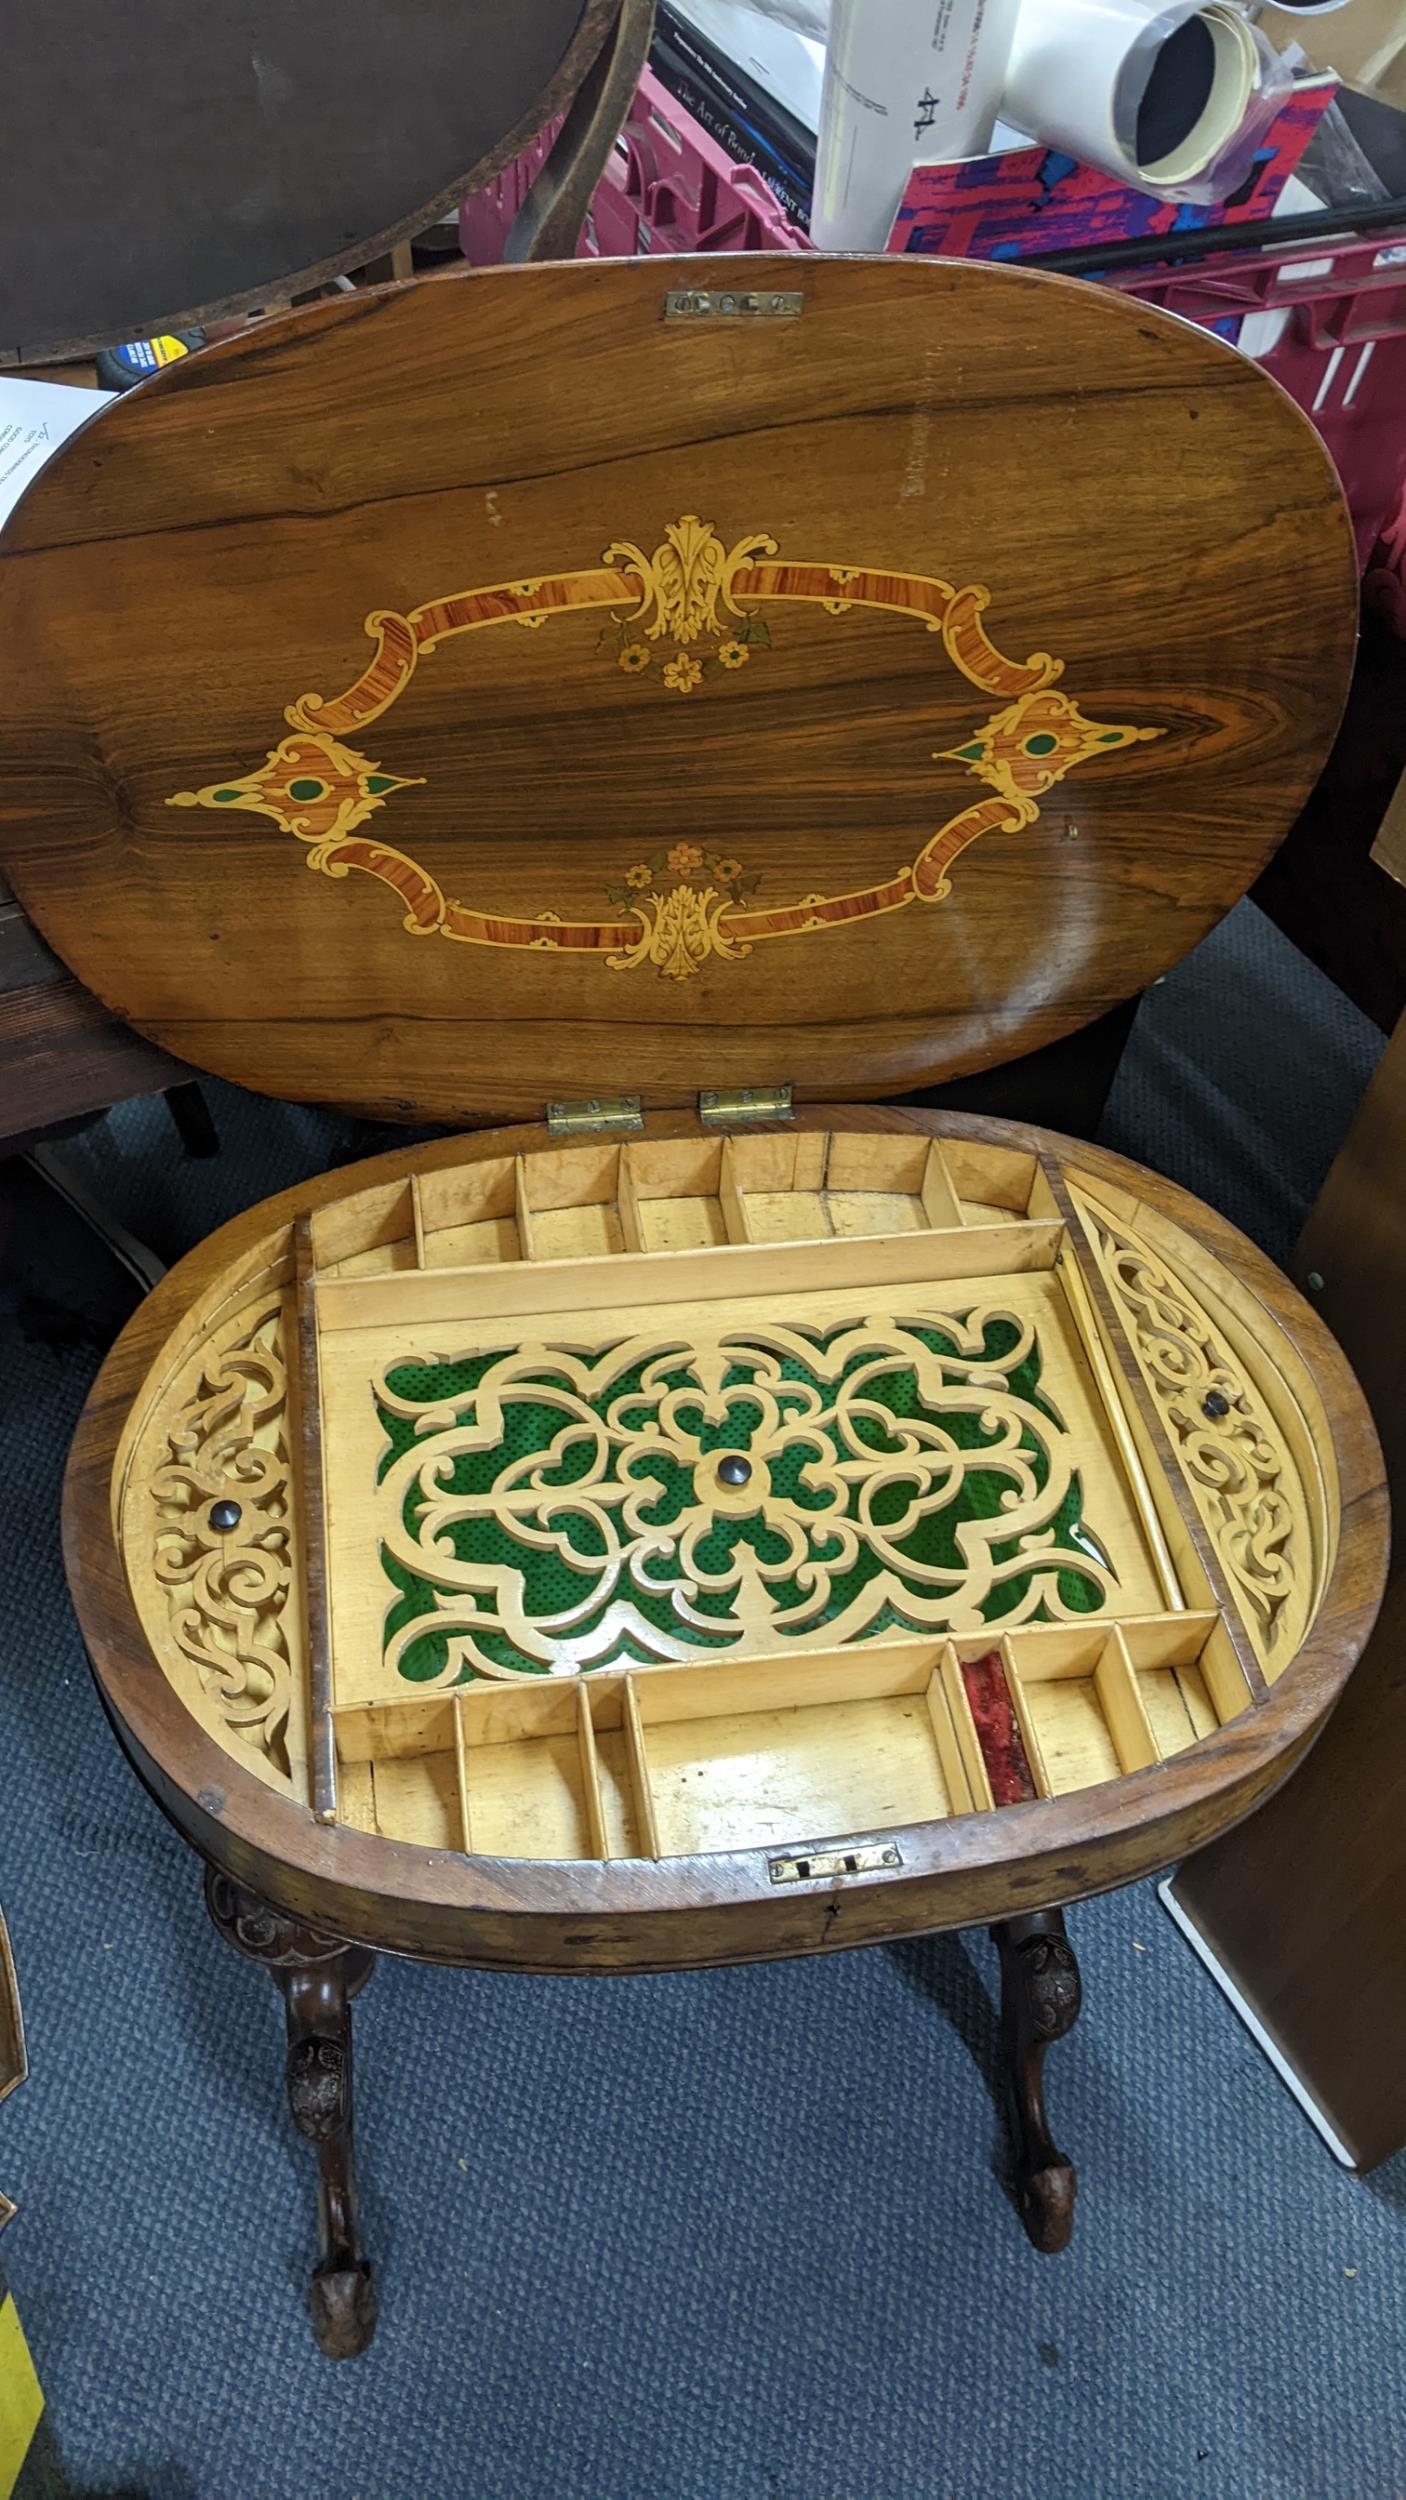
(1152, 91)
(904, 80)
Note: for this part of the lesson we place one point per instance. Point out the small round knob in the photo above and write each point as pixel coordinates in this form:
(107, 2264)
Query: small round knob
(224, 1516)
(1215, 1404)
(734, 1469)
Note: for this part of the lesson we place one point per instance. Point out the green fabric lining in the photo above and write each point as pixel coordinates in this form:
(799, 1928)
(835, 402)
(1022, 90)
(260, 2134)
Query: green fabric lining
(553, 1585)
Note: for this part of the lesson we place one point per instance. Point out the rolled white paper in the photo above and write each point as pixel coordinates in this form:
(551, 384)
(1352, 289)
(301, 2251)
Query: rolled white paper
(904, 80)
(1152, 91)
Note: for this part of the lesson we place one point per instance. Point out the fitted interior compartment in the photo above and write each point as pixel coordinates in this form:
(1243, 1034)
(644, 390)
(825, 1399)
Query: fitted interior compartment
(676, 1185)
(660, 1763)
(590, 1527)
(810, 1186)
(598, 1199)
(782, 1752)
(602, 1197)
(569, 1203)
(687, 1552)
(780, 1185)
(993, 1184)
(1080, 1711)
(467, 1215)
(397, 1772)
(1053, 1708)
(370, 1234)
(770, 1752)
(1189, 1676)
(404, 1771)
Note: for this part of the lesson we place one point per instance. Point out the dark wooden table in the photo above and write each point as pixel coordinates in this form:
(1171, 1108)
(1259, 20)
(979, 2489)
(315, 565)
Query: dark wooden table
(62, 1053)
(164, 164)
(580, 681)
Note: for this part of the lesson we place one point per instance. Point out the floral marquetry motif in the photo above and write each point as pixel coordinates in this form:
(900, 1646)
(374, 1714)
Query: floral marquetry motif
(311, 786)
(687, 580)
(683, 920)
(1231, 1450)
(1030, 746)
(704, 597)
(544, 1509)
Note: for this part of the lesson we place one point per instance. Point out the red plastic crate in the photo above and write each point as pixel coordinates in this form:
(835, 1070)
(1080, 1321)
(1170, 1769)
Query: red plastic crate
(668, 188)
(1338, 310)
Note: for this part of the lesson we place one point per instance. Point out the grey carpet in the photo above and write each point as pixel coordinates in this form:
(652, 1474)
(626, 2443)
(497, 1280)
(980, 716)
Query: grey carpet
(739, 2236)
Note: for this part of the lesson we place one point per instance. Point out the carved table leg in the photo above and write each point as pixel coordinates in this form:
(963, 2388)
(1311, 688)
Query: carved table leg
(1040, 1999)
(319, 1976)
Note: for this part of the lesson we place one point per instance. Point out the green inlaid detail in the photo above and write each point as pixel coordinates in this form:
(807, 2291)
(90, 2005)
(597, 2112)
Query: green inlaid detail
(1111, 738)
(1041, 744)
(378, 782)
(307, 789)
(886, 1456)
(223, 798)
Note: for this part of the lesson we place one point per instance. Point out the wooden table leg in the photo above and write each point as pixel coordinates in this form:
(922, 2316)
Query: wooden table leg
(1040, 2000)
(319, 1976)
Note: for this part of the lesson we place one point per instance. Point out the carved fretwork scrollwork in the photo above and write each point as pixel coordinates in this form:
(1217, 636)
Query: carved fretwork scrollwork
(543, 1506)
(1231, 1450)
(223, 1532)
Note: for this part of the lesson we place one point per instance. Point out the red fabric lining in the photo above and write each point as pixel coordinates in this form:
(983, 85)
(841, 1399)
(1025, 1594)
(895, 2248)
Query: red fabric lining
(998, 1729)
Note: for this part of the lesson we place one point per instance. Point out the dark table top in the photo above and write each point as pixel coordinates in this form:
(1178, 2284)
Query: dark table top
(162, 164)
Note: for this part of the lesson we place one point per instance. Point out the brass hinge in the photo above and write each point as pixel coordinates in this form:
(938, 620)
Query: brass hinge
(734, 1106)
(614, 1115)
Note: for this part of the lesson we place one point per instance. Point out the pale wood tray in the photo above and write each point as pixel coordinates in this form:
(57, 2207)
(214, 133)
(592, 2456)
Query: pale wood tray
(1004, 1433)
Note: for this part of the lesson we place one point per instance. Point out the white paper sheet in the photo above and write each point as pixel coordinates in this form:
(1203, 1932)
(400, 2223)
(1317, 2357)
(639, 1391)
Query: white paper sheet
(788, 65)
(35, 418)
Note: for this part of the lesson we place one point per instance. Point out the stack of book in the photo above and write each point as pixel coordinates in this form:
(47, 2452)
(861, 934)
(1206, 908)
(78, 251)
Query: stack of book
(753, 85)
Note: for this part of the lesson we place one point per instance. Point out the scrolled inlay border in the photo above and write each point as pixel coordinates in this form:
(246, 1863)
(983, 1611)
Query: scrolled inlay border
(707, 599)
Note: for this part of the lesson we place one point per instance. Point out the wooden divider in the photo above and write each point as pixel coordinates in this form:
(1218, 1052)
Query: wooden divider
(750, 1754)
(602, 1199)
(743, 1752)
(612, 1280)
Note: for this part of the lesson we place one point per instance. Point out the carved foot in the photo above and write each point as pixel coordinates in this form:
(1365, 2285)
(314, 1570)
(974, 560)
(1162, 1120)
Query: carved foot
(1045, 2203)
(344, 2309)
(1040, 2000)
(319, 1976)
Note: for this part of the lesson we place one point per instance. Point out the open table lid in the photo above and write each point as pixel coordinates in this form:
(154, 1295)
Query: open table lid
(598, 677)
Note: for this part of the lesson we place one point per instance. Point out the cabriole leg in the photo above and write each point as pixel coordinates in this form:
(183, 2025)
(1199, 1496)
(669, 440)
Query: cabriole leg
(1040, 2000)
(319, 1976)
